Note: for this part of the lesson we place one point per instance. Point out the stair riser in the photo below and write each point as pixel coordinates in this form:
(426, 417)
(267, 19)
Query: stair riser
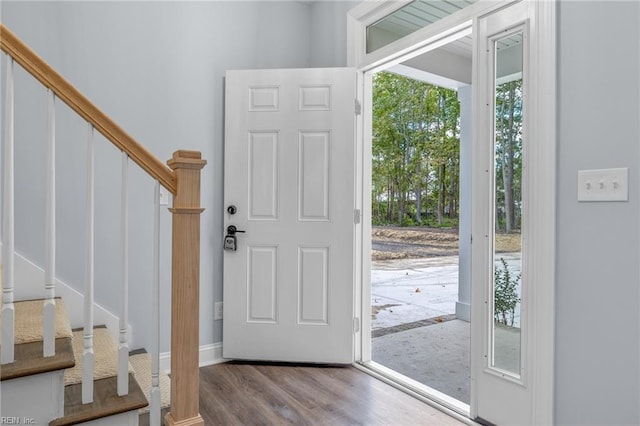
(124, 419)
(37, 397)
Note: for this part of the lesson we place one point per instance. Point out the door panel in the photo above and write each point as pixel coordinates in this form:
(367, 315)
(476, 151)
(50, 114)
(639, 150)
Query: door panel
(289, 171)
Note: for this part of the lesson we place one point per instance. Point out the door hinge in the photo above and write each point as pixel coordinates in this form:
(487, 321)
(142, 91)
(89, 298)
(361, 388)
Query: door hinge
(358, 107)
(356, 216)
(356, 325)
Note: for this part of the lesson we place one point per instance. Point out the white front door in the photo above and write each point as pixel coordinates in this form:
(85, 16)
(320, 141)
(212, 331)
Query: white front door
(289, 191)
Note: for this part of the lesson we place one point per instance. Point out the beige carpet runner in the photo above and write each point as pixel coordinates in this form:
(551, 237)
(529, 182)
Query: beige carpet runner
(105, 354)
(28, 321)
(106, 365)
(141, 364)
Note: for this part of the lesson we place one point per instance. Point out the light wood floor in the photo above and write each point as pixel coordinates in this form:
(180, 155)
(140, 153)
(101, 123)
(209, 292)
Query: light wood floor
(267, 394)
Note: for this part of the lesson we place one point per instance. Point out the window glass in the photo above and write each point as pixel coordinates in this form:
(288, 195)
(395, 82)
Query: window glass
(410, 18)
(508, 147)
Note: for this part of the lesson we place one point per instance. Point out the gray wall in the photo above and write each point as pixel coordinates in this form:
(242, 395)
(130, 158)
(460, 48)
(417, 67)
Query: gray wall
(598, 309)
(157, 68)
(328, 33)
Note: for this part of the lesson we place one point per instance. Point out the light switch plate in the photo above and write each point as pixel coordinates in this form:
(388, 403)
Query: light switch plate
(603, 185)
(165, 196)
(218, 311)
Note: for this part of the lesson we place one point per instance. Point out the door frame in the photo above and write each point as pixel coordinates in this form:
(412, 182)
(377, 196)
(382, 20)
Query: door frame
(543, 188)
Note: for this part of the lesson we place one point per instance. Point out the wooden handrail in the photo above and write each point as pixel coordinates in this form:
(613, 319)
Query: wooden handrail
(45, 74)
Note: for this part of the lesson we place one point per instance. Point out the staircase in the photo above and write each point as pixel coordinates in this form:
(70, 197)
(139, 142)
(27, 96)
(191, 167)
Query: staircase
(62, 369)
(32, 372)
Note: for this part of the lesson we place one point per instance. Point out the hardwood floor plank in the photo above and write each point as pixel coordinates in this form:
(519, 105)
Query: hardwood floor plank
(324, 388)
(271, 394)
(244, 396)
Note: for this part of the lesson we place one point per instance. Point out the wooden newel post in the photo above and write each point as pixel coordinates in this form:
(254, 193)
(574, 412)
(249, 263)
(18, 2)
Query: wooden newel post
(185, 289)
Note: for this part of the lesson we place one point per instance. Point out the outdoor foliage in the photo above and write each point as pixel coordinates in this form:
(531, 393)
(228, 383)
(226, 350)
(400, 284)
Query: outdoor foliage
(505, 293)
(416, 150)
(508, 156)
(416, 154)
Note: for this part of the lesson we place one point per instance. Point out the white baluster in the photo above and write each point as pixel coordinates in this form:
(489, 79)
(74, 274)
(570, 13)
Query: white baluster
(49, 312)
(154, 414)
(123, 348)
(8, 237)
(87, 354)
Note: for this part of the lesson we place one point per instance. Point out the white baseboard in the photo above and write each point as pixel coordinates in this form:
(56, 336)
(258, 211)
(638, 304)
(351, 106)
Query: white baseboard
(209, 355)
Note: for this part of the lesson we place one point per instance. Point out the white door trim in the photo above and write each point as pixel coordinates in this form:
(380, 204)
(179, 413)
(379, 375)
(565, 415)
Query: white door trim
(431, 37)
(543, 166)
(543, 193)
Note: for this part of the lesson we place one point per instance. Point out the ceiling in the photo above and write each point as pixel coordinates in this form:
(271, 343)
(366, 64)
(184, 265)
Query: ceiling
(454, 63)
(419, 14)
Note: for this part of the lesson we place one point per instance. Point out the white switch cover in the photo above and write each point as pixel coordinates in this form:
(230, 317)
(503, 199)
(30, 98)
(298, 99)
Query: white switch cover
(218, 311)
(165, 196)
(603, 185)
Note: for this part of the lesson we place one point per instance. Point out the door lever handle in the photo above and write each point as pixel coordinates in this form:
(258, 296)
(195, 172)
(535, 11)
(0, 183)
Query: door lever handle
(231, 230)
(230, 241)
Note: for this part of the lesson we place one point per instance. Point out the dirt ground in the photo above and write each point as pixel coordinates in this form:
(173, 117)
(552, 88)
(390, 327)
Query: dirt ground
(403, 243)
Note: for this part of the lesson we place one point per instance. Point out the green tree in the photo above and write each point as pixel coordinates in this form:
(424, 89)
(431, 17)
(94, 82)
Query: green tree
(415, 151)
(508, 154)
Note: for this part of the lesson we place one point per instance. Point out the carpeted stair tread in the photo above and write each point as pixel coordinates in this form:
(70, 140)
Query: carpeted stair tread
(105, 356)
(28, 321)
(106, 401)
(28, 359)
(141, 363)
